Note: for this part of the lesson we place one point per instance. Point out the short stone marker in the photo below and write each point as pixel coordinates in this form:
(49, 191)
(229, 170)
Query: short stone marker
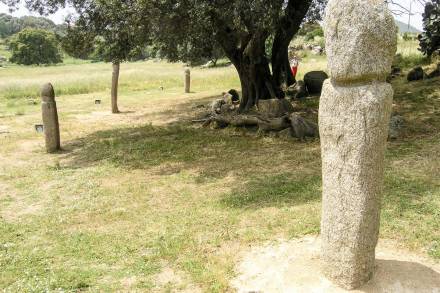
(354, 115)
(187, 80)
(50, 119)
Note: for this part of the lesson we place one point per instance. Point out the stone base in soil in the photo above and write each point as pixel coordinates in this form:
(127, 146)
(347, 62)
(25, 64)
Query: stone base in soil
(294, 266)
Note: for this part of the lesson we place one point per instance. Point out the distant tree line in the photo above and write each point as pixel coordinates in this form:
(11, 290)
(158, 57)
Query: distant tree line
(10, 25)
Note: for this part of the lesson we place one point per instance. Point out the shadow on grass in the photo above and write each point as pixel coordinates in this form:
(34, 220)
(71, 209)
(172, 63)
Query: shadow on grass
(418, 102)
(213, 153)
(185, 112)
(277, 190)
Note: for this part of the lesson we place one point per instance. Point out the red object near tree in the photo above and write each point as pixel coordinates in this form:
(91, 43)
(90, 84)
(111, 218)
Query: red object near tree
(294, 70)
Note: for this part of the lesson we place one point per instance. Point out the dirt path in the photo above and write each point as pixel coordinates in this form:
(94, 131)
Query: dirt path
(294, 266)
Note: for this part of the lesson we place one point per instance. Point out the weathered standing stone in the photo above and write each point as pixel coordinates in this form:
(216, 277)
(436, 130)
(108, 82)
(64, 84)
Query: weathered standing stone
(360, 40)
(354, 114)
(50, 119)
(187, 80)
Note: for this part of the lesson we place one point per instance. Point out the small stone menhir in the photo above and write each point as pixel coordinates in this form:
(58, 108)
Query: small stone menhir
(354, 113)
(187, 80)
(50, 119)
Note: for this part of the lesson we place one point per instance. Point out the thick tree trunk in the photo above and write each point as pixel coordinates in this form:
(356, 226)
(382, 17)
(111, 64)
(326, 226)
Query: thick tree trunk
(282, 73)
(288, 27)
(115, 84)
(254, 72)
(246, 50)
(256, 82)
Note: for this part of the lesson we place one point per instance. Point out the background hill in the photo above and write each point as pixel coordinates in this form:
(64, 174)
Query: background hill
(403, 28)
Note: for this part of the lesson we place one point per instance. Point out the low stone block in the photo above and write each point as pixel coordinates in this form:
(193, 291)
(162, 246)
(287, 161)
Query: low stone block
(275, 107)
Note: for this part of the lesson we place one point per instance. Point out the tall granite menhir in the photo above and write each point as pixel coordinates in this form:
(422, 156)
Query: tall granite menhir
(50, 119)
(354, 115)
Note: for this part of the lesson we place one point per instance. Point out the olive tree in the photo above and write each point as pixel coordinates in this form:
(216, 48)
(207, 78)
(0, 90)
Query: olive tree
(243, 30)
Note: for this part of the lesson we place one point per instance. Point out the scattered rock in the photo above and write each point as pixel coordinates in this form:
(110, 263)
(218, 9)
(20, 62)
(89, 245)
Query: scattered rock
(396, 71)
(416, 73)
(318, 50)
(298, 90)
(216, 106)
(314, 81)
(435, 73)
(396, 125)
(286, 133)
(235, 96)
(302, 128)
(275, 108)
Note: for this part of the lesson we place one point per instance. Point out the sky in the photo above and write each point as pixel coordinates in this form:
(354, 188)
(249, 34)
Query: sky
(417, 9)
(58, 17)
(416, 19)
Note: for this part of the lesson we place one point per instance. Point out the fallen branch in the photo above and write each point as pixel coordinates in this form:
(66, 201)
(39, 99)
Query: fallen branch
(201, 120)
(264, 124)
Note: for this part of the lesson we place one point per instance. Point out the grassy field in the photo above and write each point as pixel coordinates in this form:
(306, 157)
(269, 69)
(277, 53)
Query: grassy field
(147, 201)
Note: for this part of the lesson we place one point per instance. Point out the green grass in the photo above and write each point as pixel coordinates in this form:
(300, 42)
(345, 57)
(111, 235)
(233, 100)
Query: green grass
(410, 55)
(3, 50)
(137, 194)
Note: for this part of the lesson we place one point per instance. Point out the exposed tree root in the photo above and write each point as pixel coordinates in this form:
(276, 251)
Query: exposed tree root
(225, 115)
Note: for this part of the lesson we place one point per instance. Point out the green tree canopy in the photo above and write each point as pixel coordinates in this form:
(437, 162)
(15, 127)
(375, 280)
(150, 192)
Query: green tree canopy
(430, 38)
(34, 46)
(10, 25)
(240, 28)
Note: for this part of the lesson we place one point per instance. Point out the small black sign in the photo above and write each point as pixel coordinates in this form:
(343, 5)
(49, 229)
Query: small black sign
(39, 128)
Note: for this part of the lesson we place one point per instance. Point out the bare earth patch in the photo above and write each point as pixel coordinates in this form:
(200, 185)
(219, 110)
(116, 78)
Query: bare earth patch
(294, 266)
(174, 281)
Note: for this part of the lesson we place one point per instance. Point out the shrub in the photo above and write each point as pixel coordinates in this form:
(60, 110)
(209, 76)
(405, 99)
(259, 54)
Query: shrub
(34, 46)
